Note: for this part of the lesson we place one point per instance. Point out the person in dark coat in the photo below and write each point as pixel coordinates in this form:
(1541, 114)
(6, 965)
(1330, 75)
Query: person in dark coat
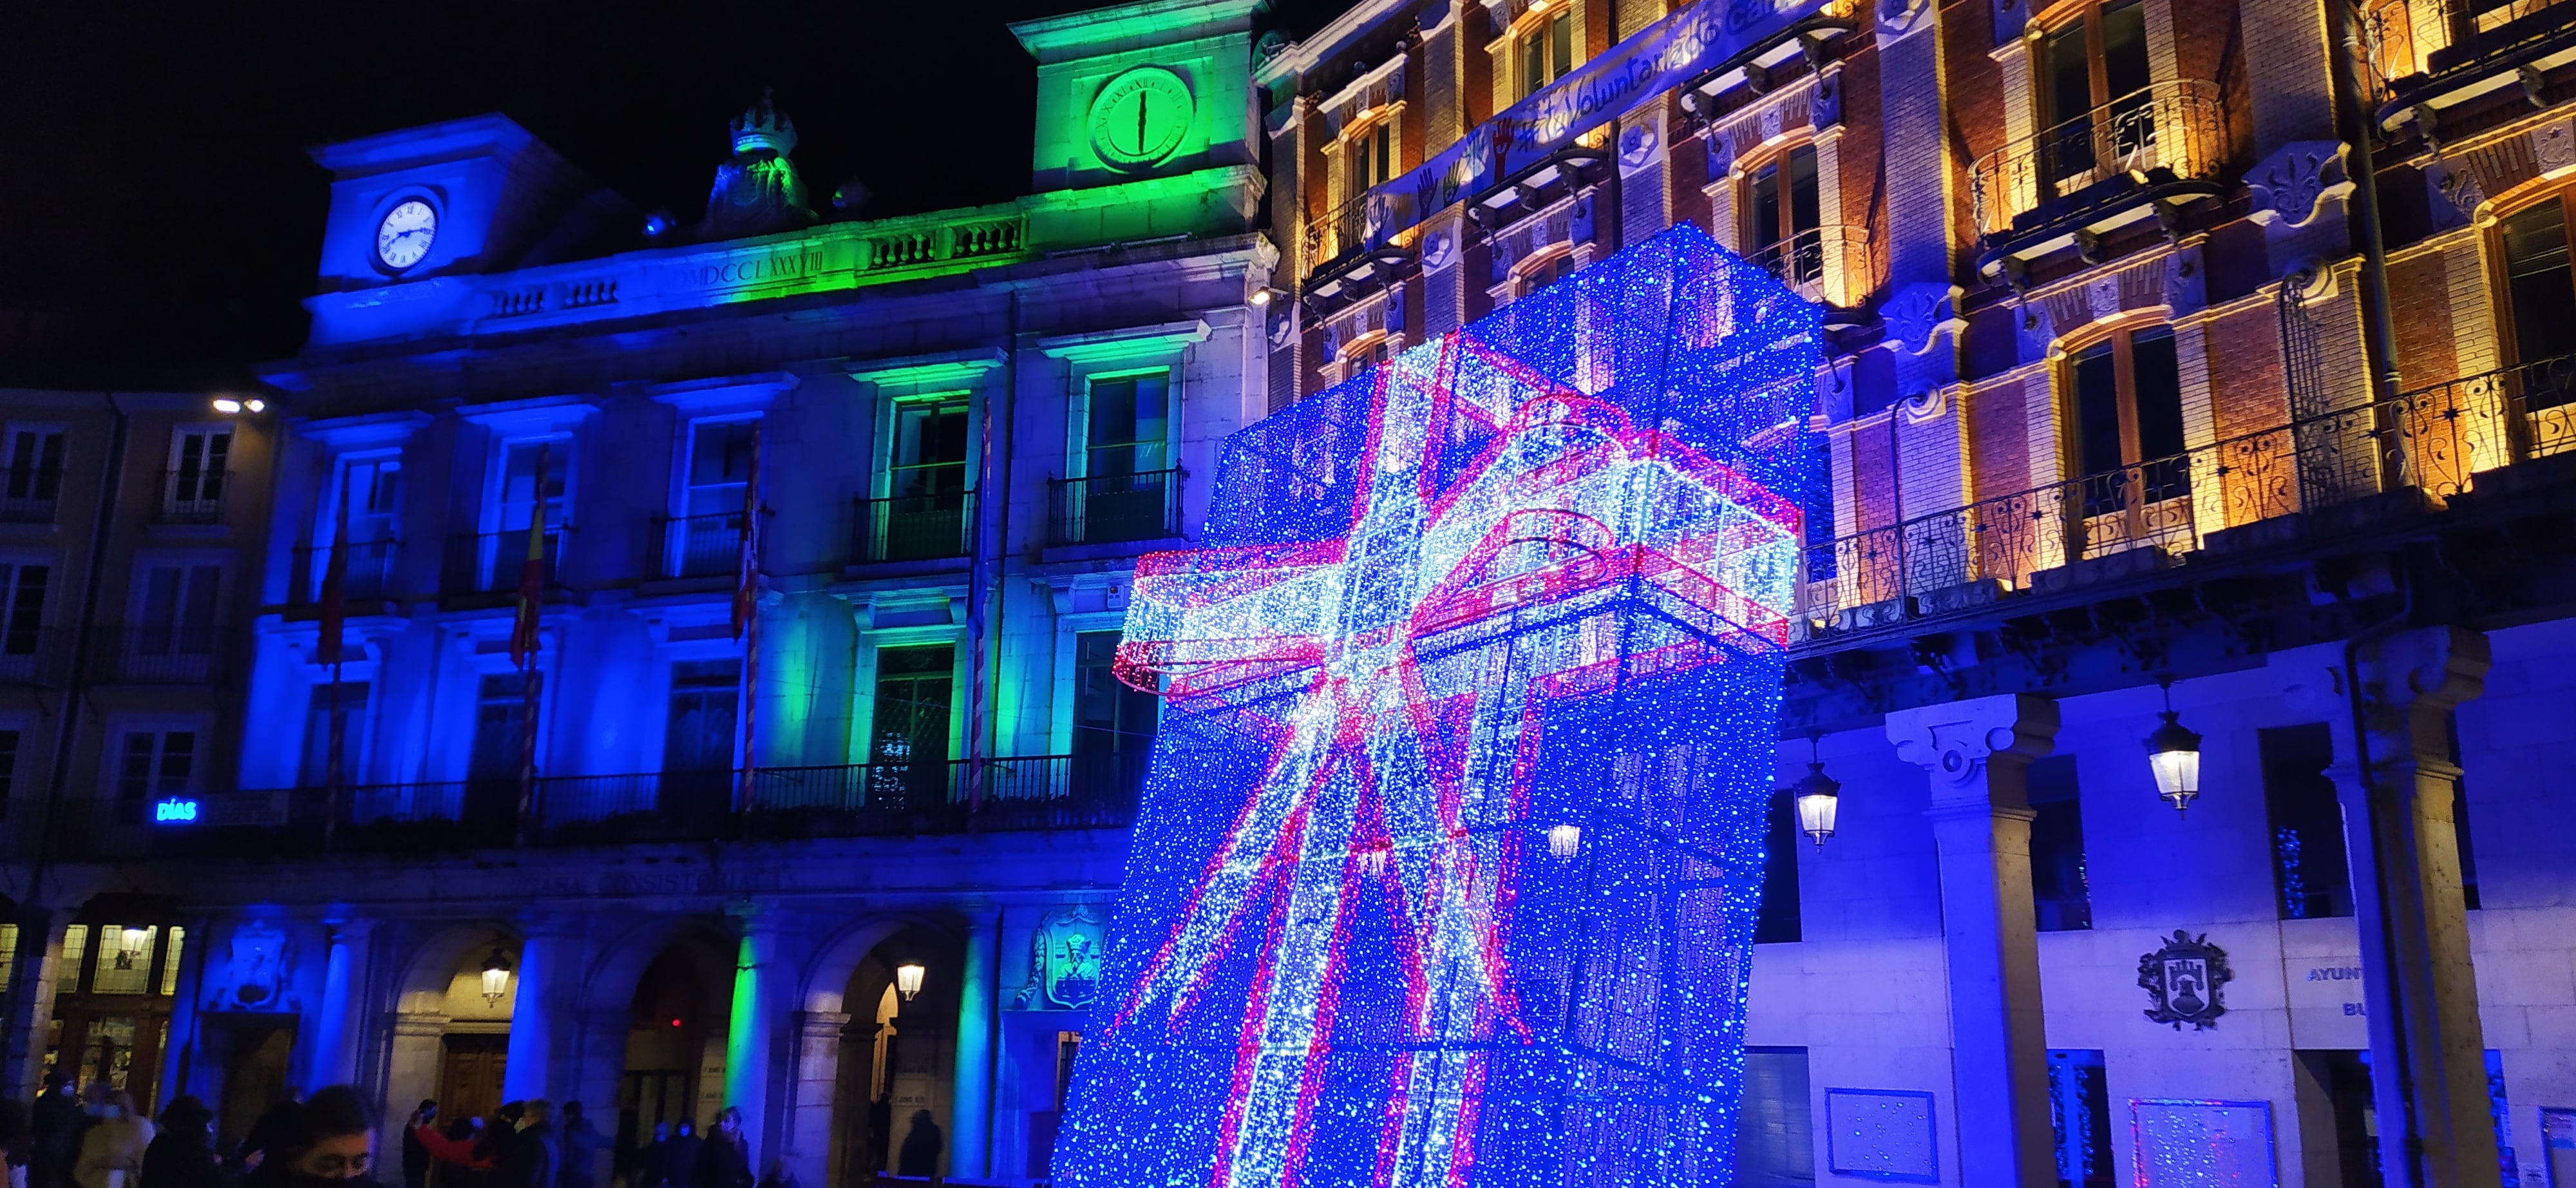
(646, 1169)
(531, 1158)
(680, 1160)
(182, 1152)
(329, 1142)
(56, 1122)
(17, 1139)
(416, 1160)
(580, 1143)
(725, 1160)
(278, 1122)
(921, 1147)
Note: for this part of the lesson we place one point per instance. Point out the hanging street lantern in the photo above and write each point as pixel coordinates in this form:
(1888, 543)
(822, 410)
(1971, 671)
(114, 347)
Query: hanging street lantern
(907, 979)
(1819, 797)
(496, 976)
(2173, 752)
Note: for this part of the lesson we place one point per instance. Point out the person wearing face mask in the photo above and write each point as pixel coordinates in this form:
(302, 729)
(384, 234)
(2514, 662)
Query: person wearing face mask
(111, 1154)
(725, 1162)
(57, 1122)
(680, 1160)
(329, 1143)
(531, 1158)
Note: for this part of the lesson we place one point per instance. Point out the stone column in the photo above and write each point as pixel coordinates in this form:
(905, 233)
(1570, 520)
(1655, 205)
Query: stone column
(545, 980)
(759, 978)
(344, 989)
(2396, 782)
(178, 1064)
(1979, 752)
(814, 1094)
(970, 1112)
(32, 975)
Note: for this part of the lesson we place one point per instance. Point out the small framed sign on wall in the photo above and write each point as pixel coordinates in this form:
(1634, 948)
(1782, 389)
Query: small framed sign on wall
(1882, 1134)
(2203, 1144)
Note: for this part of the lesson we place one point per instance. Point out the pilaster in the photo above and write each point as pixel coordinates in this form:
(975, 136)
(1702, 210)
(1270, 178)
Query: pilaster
(812, 1094)
(548, 973)
(2393, 773)
(970, 1128)
(341, 1020)
(1978, 753)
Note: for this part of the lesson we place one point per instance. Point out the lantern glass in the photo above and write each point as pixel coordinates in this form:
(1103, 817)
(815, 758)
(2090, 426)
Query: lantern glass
(496, 977)
(1816, 811)
(907, 979)
(1564, 841)
(2173, 754)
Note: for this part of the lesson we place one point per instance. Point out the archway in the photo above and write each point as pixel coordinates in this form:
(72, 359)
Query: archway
(452, 1023)
(897, 1058)
(674, 1060)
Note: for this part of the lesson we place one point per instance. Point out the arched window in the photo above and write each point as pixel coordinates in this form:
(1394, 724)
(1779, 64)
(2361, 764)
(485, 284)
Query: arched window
(2123, 404)
(2092, 91)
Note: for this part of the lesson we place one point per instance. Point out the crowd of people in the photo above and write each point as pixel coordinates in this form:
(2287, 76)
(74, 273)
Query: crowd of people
(98, 1139)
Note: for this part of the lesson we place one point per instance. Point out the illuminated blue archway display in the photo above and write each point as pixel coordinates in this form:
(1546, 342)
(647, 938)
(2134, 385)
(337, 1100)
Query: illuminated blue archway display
(1447, 869)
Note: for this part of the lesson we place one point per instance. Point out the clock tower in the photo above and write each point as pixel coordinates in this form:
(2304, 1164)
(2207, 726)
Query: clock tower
(1151, 89)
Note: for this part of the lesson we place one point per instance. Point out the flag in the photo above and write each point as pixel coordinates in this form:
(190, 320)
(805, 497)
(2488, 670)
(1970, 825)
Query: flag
(335, 582)
(532, 572)
(746, 590)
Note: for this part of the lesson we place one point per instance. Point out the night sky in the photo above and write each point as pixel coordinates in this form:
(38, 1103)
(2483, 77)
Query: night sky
(159, 216)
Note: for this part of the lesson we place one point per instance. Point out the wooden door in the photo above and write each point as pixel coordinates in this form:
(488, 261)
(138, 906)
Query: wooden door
(469, 1081)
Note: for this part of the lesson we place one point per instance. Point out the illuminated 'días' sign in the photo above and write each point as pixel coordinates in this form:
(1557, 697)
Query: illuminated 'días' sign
(177, 810)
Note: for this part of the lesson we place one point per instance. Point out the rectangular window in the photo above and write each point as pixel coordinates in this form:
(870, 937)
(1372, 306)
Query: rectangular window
(155, 763)
(1372, 159)
(22, 608)
(124, 959)
(373, 485)
(351, 707)
(2079, 1101)
(1108, 716)
(1783, 212)
(170, 962)
(2542, 291)
(719, 467)
(8, 952)
(706, 702)
(1779, 921)
(2460, 820)
(2308, 867)
(912, 704)
(8, 779)
(2059, 888)
(2128, 433)
(178, 610)
(75, 957)
(929, 452)
(199, 460)
(31, 472)
(500, 715)
(1775, 1133)
(2095, 99)
(1128, 425)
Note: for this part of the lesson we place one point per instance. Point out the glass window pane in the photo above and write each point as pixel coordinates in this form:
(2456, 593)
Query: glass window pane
(2124, 49)
(75, 952)
(124, 959)
(2308, 867)
(1805, 211)
(2157, 385)
(2097, 410)
(2536, 271)
(2060, 888)
(2070, 75)
(170, 961)
(1766, 206)
(1561, 45)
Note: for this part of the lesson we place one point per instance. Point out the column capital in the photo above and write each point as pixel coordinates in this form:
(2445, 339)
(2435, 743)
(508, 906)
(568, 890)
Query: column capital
(1957, 741)
(2428, 667)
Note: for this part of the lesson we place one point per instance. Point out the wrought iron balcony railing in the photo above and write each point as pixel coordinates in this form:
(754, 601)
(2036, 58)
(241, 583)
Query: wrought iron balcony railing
(484, 563)
(366, 574)
(2166, 132)
(192, 495)
(161, 654)
(698, 546)
(1115, 508)
(2442, 440)
(1036, 793)
(913, 527)
(1831, 264)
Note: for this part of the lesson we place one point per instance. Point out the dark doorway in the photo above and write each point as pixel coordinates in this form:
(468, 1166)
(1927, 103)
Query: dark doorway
(253, 1056)
(469, 1076)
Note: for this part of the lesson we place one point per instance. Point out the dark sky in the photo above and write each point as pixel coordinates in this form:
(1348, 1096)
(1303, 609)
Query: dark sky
(157, 207)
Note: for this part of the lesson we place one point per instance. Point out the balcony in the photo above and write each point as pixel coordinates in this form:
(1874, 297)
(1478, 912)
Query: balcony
(696, 546)
(2428, 56)
(28, 494)
(2113, 165)
(493, 562)
(1829, 264)
(1115, 508)
(366, 574)
(31, 656)
(2257, 492)
(190, 495)
(1030, 794)
(913, 527)
(161, 655)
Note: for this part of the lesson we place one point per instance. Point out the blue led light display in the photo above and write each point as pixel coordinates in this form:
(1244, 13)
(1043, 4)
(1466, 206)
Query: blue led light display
(1448, 867)
(177, 810)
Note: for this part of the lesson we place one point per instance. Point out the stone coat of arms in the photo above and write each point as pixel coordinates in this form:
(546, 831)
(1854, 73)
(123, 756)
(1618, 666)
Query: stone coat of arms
(2183, 981)
(1064, 961)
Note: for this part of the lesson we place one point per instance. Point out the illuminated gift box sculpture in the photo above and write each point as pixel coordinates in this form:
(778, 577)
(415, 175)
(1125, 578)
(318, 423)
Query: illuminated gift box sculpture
(1447, 869)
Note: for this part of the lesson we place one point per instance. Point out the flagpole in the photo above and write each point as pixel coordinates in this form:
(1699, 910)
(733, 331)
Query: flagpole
(335, 623)
(523, 645)
(746, 621)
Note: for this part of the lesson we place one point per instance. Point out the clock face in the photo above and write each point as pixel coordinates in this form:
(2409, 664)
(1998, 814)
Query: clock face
(405, 235)
(1140, 118)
